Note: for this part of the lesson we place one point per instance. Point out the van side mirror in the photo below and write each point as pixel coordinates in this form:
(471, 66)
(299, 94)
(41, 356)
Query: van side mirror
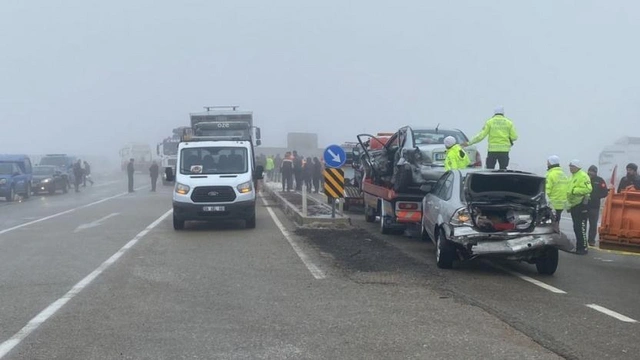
(258, 174)
(258, 142)
(169, 174)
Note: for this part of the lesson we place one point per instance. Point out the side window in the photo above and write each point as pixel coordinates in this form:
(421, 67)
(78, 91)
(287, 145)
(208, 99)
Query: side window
(446, 190)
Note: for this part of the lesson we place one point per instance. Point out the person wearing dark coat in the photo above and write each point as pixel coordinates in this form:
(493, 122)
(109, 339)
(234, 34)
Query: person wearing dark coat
(598, 192)
(297, 170)
(307, 173)
(286, 169)
(316, 175)
(153, 172)
(77, 173)
(632, 178)
(87, 175)
(130, 171)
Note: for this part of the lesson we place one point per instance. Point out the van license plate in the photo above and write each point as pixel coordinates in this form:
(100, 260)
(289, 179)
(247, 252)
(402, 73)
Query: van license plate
(440, 156)
(213, 208)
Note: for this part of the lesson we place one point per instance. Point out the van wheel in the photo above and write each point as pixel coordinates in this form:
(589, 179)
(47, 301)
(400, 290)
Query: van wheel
(27, 194)
(12, 195)
(177, 223)
(384, 227)
(445, 251)
(547, 264)
(251, 222)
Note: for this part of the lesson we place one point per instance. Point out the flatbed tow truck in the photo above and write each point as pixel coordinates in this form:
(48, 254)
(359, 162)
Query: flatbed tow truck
(397, 211)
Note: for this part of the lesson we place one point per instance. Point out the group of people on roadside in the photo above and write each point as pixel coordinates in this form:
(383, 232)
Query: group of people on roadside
(81, 174)
(295, 168)
(580, 194)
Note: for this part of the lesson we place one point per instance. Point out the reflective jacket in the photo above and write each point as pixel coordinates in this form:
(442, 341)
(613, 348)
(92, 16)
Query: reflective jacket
(579, 188)
(501, 134)
(556, 187)
(269, 165)
(456, 158)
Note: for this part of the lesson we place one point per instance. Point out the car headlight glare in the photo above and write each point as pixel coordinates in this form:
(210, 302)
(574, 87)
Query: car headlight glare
(182, 189)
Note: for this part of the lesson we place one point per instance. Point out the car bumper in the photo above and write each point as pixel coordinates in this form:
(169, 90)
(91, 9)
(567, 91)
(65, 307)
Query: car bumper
(510, 244)
(239, 210)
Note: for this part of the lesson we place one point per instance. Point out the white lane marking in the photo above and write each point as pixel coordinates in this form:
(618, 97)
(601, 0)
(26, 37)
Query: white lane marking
(315, 270)
(94, 223)
(50, 310)
(107, 183)
(66, 212)
(529, 279)
(611, 313)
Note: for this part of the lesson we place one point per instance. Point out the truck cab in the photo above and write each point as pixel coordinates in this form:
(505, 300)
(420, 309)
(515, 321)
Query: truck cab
(216, 173)
(15, 176)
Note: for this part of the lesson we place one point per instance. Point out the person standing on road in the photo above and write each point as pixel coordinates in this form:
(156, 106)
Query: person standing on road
(130, 171)
(578, 198)
(277, 165)
(297, 170)
(599, 191)
(317, 175)
(502, 134)
(286, 169)
(556, 186)
(307, 173)
(269, 166)
(87, 174)
(154, 170)
(632, 178)
(456, 157)
(77, 174)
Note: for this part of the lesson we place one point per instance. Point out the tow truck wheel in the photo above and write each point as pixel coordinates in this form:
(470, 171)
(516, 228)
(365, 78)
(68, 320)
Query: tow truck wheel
(445, 252)
(177, 223)
(369, 214)
(384, 227)
(548, 264)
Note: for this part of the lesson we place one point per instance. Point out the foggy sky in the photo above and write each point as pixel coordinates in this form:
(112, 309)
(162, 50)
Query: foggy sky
(89, 76)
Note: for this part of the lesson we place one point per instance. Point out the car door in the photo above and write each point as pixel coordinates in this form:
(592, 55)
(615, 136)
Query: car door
(19, 180)
(440, 198)
(430, 207)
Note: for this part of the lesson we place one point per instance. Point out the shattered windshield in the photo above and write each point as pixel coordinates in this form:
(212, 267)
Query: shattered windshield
(436, 137)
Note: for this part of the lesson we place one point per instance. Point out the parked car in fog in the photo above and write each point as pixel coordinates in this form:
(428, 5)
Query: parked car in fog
(15, 176)
(49, 178)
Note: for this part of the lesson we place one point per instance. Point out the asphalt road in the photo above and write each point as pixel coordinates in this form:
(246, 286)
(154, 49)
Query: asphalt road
(102, 275)
(587, 310)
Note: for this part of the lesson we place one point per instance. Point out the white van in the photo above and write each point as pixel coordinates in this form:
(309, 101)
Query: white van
(215, 181)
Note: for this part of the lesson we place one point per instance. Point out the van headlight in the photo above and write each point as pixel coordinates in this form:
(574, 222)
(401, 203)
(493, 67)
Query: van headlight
(245, 187)
(182, 189)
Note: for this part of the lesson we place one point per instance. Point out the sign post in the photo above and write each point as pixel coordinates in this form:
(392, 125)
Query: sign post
(334, 158)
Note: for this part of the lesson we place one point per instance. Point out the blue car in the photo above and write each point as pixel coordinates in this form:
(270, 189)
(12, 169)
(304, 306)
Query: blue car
(15, 176)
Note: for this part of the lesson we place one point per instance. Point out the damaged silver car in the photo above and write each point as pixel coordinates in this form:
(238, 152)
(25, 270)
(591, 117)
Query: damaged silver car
(495, 214)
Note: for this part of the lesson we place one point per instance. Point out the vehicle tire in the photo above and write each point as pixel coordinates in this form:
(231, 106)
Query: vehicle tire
(12, 195)
(445, 251)
(369, 214)
(177, 223)
(424, 236)
(27, 194)
(384, 227)
(547, 264)
(251, 222)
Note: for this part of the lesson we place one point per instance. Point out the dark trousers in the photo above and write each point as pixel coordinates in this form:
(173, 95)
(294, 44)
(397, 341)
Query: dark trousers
(580, 216)
(316, 184)
(500, 157)
(154, 180)
(287, 181)
(558, 215)
(594, 215)
(77, 184)
(131, 183)
(298, 176)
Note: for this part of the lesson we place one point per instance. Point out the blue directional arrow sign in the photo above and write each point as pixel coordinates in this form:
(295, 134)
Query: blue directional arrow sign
(334, 156)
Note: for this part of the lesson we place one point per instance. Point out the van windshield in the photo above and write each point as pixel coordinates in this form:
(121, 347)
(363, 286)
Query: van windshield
(60, 161)
(6, 169)
(213, 160)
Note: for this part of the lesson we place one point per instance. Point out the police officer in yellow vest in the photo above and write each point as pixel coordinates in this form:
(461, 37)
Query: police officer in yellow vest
(501, 134)
(557, 185)
(578, 194)
(456, 157)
